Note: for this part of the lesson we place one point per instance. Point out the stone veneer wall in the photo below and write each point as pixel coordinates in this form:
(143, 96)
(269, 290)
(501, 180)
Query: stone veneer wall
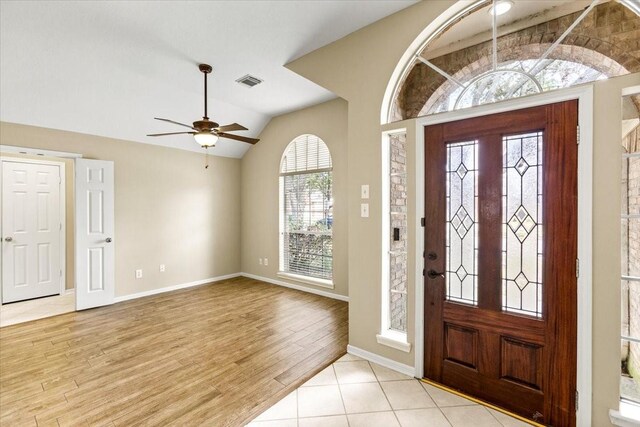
(398, 219)
(611, 30)
(631, 254)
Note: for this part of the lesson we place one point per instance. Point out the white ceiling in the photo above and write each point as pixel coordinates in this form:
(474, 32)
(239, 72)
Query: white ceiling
(108, 68)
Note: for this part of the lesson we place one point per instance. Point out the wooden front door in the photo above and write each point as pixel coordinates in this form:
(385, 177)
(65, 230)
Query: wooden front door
(500, 259)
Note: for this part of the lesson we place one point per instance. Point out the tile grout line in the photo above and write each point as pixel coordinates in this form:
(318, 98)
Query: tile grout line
(385, 395)
(340, 392)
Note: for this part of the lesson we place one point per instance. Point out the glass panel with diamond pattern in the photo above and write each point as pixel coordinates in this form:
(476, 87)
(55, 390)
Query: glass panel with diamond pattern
(461, 226)
(522, 244)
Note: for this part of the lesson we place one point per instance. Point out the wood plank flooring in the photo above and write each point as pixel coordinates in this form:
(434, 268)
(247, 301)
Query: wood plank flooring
(215, 355)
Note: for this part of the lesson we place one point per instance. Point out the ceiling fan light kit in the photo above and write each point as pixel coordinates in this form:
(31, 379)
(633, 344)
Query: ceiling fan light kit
(206, 139)
(207, 132)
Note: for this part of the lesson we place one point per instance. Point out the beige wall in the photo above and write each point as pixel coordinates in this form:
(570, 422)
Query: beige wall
(168, 208)
(260, 208)
(358, 68)
(69, 199)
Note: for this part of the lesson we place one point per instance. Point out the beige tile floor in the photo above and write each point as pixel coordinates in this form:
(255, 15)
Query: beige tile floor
(24, 311)
(356, 393)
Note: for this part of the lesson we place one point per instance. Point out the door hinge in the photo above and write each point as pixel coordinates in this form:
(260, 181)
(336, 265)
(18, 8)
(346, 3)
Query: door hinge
(60, 227)
(423, 271)
(577, 267)
(578, 134)
(422, 222)
(60, 273)
(577, 399)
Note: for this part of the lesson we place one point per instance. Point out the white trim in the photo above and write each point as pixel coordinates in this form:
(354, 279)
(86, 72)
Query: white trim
(63, 211)
(296, 287)
(305, 279)
(397, 340)
(584, 95)
(631, 90)
(382, 361)
(627, 416)
(174, 288)
(37, 152)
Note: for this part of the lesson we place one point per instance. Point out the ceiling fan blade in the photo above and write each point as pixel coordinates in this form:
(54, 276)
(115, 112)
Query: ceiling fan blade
(232, 126)
(172, 133)
(175, 123)
(238, 137)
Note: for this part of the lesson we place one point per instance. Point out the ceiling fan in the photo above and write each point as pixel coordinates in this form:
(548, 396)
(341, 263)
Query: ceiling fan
(205, 131)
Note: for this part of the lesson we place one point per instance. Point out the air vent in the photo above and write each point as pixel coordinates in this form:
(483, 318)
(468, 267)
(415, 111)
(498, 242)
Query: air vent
(249, 80)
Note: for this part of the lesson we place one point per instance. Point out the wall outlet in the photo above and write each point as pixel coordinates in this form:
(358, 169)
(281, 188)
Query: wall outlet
(364, 191)
(162, 268)
(364, 210)
(266, 261)
(260, 261)
(138, 274)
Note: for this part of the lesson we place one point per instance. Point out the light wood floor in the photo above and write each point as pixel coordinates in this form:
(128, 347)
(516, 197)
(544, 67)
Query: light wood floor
(215, 355)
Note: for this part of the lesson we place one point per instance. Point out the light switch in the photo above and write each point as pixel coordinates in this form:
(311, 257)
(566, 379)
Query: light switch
(364, 210)
(364, 191)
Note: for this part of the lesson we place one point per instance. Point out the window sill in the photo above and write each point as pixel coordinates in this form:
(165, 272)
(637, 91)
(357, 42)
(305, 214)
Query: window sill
(627, 416)
(394, 339)
(308, 280)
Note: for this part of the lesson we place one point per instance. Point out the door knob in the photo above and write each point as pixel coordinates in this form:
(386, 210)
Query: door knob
(8, 239)
(433, 274)
(108, 240)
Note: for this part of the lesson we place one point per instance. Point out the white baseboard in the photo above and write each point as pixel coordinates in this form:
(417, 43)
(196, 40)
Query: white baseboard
(297, 287)
(174, 287)
(383, 361)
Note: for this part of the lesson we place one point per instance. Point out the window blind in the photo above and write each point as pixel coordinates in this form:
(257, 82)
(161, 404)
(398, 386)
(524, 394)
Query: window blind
(307, 208)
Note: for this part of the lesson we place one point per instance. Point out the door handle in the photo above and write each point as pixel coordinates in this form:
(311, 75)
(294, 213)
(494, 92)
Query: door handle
(108, 240)
(8, 239)
(433, 274)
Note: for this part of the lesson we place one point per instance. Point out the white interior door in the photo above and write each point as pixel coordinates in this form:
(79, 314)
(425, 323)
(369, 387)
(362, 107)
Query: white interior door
(31, 230)
(95, 240)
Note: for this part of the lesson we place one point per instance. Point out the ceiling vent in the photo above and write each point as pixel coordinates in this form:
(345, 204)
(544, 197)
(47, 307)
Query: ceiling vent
(249, 80)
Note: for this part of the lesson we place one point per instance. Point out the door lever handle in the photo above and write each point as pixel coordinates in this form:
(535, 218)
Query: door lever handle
(8, 239)
(108, 240)
(433, 274)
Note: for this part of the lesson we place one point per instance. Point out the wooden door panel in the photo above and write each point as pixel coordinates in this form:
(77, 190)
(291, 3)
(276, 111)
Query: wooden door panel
(461, 345)
(509, 337)
(521, 362)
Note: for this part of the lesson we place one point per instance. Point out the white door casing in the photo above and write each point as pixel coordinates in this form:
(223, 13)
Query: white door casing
(95, 240)
(32, 229)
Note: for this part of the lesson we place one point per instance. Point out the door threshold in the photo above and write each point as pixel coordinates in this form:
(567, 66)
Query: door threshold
(481, 402)
(32, 299)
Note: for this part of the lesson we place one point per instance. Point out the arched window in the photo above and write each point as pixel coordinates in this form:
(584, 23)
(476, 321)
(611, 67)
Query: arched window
(476, 58)
(306, 211)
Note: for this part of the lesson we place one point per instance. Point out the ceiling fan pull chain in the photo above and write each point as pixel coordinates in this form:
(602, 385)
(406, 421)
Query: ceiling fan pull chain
(206, 158)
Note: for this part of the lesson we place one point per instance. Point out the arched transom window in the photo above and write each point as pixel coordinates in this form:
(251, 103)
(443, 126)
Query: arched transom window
(306, 210)
(526, 48)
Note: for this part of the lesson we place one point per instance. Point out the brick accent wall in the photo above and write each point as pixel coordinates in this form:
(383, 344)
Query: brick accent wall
(608, 40)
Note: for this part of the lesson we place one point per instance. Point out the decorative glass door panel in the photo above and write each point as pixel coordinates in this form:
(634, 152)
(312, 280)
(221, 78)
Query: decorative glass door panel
(462, 210)
(500, 295)
(522, 235)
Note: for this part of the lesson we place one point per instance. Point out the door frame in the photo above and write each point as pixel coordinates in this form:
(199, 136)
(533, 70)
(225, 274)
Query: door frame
(63, 217)
(584, 95)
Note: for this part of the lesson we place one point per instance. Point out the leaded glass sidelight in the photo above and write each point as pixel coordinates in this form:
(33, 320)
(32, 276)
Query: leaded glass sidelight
(522, 235)
(461, 227)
